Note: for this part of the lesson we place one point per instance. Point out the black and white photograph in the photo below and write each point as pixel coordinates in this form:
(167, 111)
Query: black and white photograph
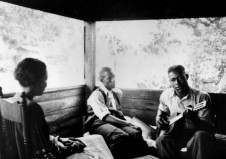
(112, 79)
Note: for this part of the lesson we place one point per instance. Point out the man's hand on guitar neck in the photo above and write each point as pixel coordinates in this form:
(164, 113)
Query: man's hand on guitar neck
(191, 110)
(162, 120)
(189, 113)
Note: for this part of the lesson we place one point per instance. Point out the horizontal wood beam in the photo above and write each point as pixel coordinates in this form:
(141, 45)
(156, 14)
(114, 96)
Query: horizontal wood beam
(100, 10)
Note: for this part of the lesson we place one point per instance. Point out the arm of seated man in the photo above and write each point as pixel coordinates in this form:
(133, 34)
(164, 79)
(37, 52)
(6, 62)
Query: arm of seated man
(203, 121)
(203, 118)
(118, 122)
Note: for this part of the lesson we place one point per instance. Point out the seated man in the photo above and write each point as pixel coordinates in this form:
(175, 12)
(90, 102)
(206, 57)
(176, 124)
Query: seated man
(194, 131)
(105, 118)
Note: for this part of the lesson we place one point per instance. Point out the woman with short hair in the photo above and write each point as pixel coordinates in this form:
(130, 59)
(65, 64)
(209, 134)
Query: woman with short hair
(32, 76)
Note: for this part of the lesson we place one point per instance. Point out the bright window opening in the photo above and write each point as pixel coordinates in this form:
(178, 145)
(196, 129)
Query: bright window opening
(54, 39)
(140, 52)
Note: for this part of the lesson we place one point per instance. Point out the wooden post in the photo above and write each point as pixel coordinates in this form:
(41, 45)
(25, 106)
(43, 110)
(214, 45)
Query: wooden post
(90, 61)
(90, 54)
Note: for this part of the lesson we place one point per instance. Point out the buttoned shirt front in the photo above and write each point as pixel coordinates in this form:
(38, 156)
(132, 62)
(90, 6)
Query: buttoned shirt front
(111, 102)
(172, 104)
(97, 101)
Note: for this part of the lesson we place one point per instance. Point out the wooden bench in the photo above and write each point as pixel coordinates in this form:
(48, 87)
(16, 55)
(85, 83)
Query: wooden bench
(64, 111)
(65, 108)
(143, 104)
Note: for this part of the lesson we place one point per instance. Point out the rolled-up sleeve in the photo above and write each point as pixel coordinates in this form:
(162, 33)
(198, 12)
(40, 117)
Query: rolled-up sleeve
(206, 112)
(96, 101)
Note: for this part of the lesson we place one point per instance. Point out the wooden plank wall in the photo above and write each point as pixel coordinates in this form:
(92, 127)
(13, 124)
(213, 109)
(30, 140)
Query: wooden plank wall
(143, 104)
(64, 110)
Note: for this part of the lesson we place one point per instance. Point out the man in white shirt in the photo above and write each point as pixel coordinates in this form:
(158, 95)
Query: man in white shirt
(106, 118)
(195, 130)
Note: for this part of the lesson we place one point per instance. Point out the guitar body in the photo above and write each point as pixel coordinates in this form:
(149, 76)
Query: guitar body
(173, 128)
(179, 123)
(169, 129)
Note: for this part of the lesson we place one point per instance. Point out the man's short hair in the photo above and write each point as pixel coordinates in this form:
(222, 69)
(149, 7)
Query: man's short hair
(177, 68)
(102, 72)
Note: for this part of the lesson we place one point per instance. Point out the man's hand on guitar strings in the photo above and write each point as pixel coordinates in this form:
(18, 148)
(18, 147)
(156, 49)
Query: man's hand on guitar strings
(163, 124)
(162, 121)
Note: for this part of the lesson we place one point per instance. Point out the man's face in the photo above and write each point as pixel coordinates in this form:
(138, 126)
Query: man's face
(178, 81)
(109, 80)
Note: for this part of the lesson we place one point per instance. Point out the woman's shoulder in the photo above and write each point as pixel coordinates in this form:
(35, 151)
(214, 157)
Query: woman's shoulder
(35, 107)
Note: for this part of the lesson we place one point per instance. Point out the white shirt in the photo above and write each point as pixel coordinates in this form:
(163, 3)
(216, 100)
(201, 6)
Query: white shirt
(97, 101)
(172, 104)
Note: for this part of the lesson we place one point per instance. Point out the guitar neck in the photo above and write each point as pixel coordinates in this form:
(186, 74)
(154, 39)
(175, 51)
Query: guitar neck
(195, 108)
(176, 118)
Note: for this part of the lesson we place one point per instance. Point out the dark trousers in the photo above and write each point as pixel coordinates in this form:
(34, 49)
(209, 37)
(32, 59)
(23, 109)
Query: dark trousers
(124, 142)
(220, 146)
(199, 146)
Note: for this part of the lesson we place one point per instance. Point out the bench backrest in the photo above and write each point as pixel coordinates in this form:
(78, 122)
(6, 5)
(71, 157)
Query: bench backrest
(143, 104)
(64, 110)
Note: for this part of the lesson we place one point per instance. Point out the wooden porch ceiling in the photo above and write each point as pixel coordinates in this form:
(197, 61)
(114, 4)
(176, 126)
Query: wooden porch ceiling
(98, 10)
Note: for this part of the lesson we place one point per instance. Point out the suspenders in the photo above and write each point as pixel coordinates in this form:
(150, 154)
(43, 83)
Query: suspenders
(105, 97)
(91, 117)
(117, 112)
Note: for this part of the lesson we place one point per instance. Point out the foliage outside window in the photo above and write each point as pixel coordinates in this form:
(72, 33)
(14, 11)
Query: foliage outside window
(56, 40)
(140, 52)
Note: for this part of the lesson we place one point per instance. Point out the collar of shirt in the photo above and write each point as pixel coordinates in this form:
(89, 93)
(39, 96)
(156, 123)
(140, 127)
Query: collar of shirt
(106, 91)
(109, 95)
(173, 94)
(182, 103)
(104, 88)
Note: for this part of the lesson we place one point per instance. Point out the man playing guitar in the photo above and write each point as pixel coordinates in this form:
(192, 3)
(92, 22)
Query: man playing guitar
(194, 130)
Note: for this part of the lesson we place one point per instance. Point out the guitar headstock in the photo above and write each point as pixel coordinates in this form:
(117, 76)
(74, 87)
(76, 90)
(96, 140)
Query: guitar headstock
(199, 106)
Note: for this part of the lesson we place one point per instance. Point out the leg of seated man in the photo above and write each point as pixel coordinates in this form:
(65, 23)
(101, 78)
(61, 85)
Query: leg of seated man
(138, 145)
(168, 147)
(201, 146)
(116, 139)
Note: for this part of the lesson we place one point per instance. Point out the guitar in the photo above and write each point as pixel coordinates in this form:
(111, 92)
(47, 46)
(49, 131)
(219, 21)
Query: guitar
(173, 120)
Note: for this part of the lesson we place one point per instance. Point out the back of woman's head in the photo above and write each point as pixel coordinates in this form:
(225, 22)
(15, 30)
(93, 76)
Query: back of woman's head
(29, 71)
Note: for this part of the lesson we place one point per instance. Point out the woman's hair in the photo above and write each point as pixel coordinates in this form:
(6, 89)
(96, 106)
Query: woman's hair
(29, 71)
